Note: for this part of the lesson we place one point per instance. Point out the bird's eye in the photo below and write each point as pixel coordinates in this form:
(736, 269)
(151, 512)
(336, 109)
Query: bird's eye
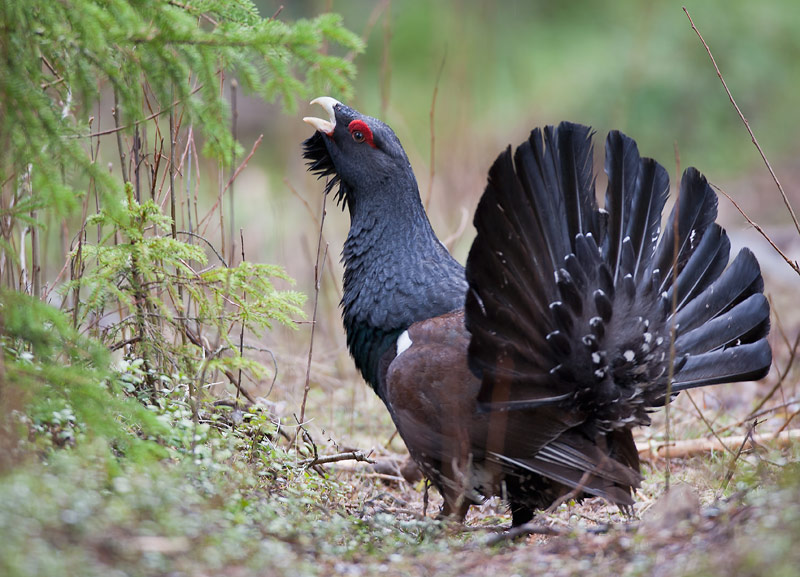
(361, 132)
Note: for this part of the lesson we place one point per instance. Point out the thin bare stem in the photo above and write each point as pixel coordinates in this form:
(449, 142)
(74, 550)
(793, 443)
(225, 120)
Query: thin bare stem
(433, 130)
(118, 128)
(210, 355)
(786, 424)
(219, 205)
(524, 529)
(36, 265)
(673, 327)
(317, 277)
(137, 144)
(707, 423)
(115, 115)
(756, 226)
(241, 324)
(732, 465)
(333, 279)
(377, 11)
(386, 60)
(781, 379)
(747, 124)
(276, 13)
(231, 215)
(239, 169)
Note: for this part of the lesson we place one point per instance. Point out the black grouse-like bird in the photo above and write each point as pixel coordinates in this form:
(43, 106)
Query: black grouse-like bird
(524, 374)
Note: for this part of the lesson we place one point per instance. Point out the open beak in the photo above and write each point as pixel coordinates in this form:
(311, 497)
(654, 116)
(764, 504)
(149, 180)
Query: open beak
(321, 124)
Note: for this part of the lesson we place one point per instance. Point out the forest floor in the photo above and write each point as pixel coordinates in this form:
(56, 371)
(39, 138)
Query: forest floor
(234, 494)
(246, 503)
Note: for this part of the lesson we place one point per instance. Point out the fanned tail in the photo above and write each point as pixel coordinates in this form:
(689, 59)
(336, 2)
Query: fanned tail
(571, 308)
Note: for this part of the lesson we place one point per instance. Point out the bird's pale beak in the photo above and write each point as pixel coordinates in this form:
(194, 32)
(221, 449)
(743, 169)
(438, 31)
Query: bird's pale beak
(321, 124)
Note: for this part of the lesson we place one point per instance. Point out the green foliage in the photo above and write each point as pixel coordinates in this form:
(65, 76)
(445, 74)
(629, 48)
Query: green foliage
(232, 499)
(155, 281)
(142, 286)
(57, 57)
(64, 379)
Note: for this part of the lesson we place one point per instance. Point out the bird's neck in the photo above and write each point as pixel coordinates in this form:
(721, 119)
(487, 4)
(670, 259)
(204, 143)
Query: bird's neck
(397, 272)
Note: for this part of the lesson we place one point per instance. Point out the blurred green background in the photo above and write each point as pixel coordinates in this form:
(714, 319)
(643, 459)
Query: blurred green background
(507, 67)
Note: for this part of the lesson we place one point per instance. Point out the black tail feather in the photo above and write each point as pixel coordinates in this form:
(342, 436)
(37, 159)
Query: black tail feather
(748, 362)
(622, 168)
(740, 280)
(652, 188)
(705, 265)
(696, 209)
(575, 156)
(746, 322)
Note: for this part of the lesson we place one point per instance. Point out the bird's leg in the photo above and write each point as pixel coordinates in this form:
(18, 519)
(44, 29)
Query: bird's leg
(455, 507)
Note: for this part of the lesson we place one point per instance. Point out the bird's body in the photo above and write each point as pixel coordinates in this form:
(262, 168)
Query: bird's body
(524, 374)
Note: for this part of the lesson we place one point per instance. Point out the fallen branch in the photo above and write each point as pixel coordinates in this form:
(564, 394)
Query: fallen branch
(325, 459)
(524, 530)
(693, 447)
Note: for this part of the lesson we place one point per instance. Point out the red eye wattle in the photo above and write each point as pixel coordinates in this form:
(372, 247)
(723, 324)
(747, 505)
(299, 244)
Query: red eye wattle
(361, 132)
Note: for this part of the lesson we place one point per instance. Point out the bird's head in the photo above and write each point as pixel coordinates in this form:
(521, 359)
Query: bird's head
(356, 151)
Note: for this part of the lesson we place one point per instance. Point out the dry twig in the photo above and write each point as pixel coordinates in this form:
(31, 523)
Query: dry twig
(347, 456)
(747, 125)
(525, 529)
(317, 282)
(732, 466)
(760, 230)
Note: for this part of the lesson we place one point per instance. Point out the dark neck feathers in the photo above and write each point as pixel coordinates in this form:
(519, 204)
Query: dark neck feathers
(397, 272)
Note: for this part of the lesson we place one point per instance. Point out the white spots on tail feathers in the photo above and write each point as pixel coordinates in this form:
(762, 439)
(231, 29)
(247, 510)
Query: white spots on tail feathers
(403, 343)
(629, 355)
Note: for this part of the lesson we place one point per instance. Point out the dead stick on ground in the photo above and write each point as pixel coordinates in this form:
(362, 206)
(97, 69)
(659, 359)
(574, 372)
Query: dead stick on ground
(747, 125)
(525, 529)
(348, 456)
(694, 447)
